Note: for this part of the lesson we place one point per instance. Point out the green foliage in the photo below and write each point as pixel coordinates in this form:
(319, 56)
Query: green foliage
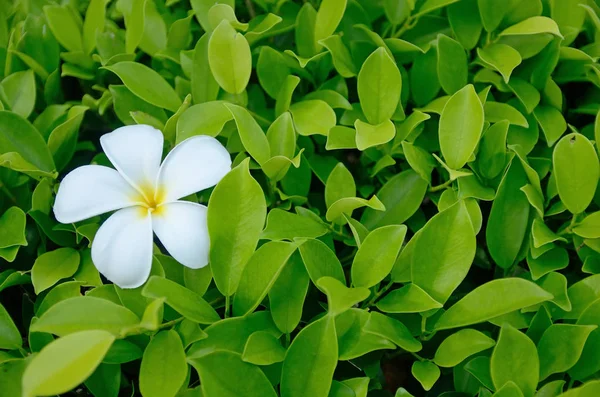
(413, 206)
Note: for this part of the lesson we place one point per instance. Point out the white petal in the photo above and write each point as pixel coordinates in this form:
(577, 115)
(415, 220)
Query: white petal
(92, 190)
(195, 164)
(135, 151)
(122, 248)
(181, 227)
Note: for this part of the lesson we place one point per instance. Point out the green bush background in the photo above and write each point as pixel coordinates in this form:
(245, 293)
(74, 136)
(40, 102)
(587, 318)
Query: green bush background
(414, 200)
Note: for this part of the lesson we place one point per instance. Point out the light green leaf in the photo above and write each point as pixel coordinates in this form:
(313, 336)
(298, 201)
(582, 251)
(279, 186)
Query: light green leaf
(389, 328)
(501, 58)
(492, 299)
(426, 372)
(84, 313)
(62, 141)
(408, 299)
(52, 266)
(576, 171)
(163, 369)
(461, 125)
(444, 252)
(349, 204)
(342, 59)
(499, 111)
(561, 346)
(201, 8)
(339, 297)
(533, 25)
(310, 360)
(321, 261)
(65, 363)
(146, 84)
(19, 90)
(187, 303)
(252, 136)
(340, 184)
(313, 117)
(515, 359)
(215, 371)
(368, 135)
(379, 86)
(12, 228)
(236, 214)
(229, 58)
(64, 26)
(589, 227)
(328, 18)
(451, 64)
(204, 86)
(551, 122)
(93, 24)
(377, 254)
(259, 274)
(262, 348)
(401, 196)
(283, 225)
(457, 347)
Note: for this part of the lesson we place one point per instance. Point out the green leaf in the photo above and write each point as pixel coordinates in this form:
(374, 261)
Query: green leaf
(576, 171)
(500, 57)
(146, 84)
(498, 111)
(491, 157)
(377, 254)
(515, 359)
(533, 25)
(340, 184)
(339, 297)
(508, 220)
(461, 125)
(389, 328)
(426, 372)
(12, 228)
(444, 252)
(346, 206)
(589, 362)
(201, 8)
(408, 299)
(262, 348)
(490, 300)
(187, 303)
(287, 295)
(252, 136)
(93, 24)
(457, 347)
(10, 338)
(328, 18)
(341, 57)
(224, 12)
(313, 117)
(368, 135)
(236, 214)
(53, 266)
(451, 65)
(164, 368)
(62, 141)
(19, 89)
(204, 86)
(310, 360)
(560, 347)
(465, 22)
(401, 196)
(229, 58)
(259, 274)
(283, 225)
(84, 313)
(379, 87)
(20, 141)
(589, 227)
(321, 261)
(551, 122)
(215, 371)
(65, 363)
(64, 26)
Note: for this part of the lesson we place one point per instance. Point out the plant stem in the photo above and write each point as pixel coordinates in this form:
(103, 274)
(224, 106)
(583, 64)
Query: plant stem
(170, 323)
(437, 188)
(382, 291)
(8, 193)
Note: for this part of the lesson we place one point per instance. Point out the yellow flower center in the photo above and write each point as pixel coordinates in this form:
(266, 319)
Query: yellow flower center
(150, 199)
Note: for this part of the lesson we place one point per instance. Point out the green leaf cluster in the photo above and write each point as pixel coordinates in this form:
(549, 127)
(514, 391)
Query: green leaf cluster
(413, 208)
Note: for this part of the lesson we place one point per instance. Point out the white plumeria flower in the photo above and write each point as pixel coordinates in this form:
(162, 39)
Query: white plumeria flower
(146, 195)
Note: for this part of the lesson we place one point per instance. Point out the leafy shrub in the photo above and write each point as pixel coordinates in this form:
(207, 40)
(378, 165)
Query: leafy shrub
(413, 207)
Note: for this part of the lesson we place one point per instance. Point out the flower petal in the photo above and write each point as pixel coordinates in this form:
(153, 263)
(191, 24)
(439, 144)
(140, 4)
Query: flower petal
(135, 151)
(181, 227)
(195, 164)
(92, 190)
(122, 248)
